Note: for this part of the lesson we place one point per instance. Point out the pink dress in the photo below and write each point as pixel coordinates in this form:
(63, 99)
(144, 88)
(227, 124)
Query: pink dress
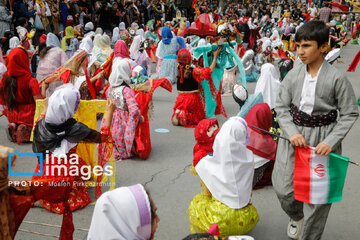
(125, 120)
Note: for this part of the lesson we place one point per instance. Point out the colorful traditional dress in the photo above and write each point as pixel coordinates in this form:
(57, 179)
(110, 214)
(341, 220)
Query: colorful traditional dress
(212, 89)
(127, 114)
(167, 50)
(189, 106)
(59, 134)
(69, 43)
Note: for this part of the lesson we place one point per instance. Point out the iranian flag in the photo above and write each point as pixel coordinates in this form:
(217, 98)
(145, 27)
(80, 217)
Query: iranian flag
(318, 179)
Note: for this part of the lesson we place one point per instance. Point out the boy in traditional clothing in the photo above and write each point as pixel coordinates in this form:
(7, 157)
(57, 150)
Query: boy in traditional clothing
(310, 98)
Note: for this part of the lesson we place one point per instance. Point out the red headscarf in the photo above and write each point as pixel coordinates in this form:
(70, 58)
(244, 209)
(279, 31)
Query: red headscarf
(204, 143)
(121, 49)
(69, 22)
(18, 64)
(42, 39)
(261, 143)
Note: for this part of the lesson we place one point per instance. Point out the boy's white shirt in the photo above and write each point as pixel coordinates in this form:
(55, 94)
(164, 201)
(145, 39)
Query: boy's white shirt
(307, 100)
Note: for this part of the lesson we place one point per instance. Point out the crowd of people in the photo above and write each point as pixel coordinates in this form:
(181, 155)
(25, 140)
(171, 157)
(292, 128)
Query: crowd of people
(66, 64)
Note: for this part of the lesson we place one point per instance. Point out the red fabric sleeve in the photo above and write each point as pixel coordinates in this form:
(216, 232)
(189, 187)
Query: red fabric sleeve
(202, 73)
(34, 86)
(98, 84)
(105, 152)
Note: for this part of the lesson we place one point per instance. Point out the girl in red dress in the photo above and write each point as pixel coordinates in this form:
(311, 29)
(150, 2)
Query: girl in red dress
(18, 92)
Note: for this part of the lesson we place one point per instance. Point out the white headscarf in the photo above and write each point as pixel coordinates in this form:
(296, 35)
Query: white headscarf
(246, 61)
(90, 34)
(3, 69)
(99, 31)
(62, 105)
(275, 35)
(202, 42)
(102, 48)
(116, 35)
(52, 40)
(333, 55)
(134, 48)
(140, 32)
(122, 26)
(266, 43)
(89, 26)
(121, 72)
(96, 40)
(228, 174)
(14, 42)
(268, 84)
(123, 214)
(104, 42)
(86, 44)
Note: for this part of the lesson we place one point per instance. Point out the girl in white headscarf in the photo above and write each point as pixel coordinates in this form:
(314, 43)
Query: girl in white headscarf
(14, 43)
(124, 213)
(134, 48)
(99, 31)
(227, 175)
(124, 34)
(127, 113)
(268, 84)
(138, 52)
(58, 133)
(87, 45)
(89, 30)
(249, 66)
(115, 36)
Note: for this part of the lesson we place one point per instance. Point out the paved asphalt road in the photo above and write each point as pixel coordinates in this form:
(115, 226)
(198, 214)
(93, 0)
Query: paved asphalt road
(166, 174)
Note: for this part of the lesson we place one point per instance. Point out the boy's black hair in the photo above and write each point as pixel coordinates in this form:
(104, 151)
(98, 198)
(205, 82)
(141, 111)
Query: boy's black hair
(22, 21)
(313, 31)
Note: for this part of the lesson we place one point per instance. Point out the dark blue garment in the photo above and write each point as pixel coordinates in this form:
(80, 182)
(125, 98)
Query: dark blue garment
(64, 12)
(22, 10)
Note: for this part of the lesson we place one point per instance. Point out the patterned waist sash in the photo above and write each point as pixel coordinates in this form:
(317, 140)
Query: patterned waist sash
(303, 119)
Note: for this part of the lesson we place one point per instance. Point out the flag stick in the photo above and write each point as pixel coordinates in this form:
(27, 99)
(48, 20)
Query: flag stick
(273, 134)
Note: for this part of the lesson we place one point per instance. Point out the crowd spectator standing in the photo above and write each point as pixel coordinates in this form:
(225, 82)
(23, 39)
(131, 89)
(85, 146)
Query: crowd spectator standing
(325, 13)
(55, 15)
